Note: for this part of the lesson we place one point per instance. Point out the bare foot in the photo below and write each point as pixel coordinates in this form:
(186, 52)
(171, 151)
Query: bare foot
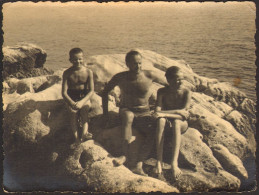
(139, 171)
(86, 137)
(77, 141)
(158, 168)
(157, 173)
(176, 172)
(119, 161)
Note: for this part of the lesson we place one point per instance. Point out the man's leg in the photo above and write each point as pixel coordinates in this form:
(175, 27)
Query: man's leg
(84, 118)
(177, 127)
(127, 117)
(160, 143)
(146, 127)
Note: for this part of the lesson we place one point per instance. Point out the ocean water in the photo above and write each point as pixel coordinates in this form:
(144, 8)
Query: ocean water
(216, 39)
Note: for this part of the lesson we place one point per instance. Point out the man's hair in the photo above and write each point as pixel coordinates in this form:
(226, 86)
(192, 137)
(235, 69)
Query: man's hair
(171, 71)
(130, 54)
(75, 51)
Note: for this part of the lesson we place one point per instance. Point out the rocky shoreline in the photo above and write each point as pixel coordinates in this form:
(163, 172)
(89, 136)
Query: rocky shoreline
(38, 141)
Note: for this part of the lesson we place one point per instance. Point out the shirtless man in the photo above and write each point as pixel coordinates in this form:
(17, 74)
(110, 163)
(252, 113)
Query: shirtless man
(135, 93)
(171, 112)
(77, 89)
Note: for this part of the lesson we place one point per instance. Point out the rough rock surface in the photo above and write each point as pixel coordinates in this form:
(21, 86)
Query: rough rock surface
(220, 135)
(24, 60)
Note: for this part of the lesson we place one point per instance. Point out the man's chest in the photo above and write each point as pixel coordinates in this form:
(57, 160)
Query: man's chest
(139, 85)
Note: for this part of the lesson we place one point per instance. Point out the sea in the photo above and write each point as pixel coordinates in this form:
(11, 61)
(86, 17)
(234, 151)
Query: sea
(215, 39)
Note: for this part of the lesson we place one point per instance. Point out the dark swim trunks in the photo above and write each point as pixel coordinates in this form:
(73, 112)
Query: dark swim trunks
(143, 121)
(77, 95)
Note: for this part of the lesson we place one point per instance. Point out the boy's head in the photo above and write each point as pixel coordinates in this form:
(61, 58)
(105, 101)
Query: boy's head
(133, 61)
(174, 76)
(76, 56)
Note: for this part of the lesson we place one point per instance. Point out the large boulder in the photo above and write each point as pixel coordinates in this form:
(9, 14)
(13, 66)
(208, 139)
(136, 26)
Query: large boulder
(36, 121)
(90, 165)
(24, 60)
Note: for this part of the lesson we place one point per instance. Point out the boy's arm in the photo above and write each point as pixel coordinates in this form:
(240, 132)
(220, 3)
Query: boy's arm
(108, 87)
(158, 110)
(90, 84)
(183, 111)
(64, 91)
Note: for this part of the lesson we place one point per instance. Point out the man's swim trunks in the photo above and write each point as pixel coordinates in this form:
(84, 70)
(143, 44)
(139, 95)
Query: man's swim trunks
(77, 95)
(143, 120)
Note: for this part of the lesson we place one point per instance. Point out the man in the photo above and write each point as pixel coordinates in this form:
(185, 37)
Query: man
(135, 86)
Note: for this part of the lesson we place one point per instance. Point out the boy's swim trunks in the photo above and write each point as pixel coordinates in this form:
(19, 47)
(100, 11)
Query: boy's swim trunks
(77, 95)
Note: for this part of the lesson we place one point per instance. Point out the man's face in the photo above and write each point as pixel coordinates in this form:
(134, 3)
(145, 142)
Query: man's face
(135, 64)
(176, 80)
(77, 59)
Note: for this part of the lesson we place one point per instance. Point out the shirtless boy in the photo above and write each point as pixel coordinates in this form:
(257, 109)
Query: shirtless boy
(171, 111)
(135, 93)
(77, 89)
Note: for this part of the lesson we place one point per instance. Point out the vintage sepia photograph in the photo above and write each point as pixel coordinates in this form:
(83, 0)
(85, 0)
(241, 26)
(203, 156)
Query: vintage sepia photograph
(129, 96)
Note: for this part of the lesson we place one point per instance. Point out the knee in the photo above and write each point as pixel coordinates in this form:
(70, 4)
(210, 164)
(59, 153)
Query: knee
(72, 114)
(161, 122)
(176, 124)
(127, 117)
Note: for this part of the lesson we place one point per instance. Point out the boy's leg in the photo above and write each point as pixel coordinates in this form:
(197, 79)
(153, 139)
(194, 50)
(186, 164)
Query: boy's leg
(74, 124)
(84, 118)
(127, 117)
(160, 143)
(177, 127)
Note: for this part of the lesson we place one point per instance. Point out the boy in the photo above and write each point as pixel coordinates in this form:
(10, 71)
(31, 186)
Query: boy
(77, 89)
(171, 106)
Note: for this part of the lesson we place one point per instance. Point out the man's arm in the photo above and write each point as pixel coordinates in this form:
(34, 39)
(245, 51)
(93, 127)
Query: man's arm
(155, 77)
(107, 88)
(90, 85)
(64, 91)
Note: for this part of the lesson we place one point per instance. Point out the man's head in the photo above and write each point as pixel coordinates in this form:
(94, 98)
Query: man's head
(76, 57)
(174, 76)
(133, 61)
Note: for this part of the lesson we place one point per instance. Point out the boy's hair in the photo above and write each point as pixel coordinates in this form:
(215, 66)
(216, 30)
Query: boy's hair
(171, 71)
(130, 54)
(75, 51)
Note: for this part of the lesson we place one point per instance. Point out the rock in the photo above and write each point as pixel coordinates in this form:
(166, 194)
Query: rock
(36, 121)
(196, 160)
(201, 171)
(230, 162)
(245, 127)
(24, 60)
(217, 130)
(6, 88)
(89, 165)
